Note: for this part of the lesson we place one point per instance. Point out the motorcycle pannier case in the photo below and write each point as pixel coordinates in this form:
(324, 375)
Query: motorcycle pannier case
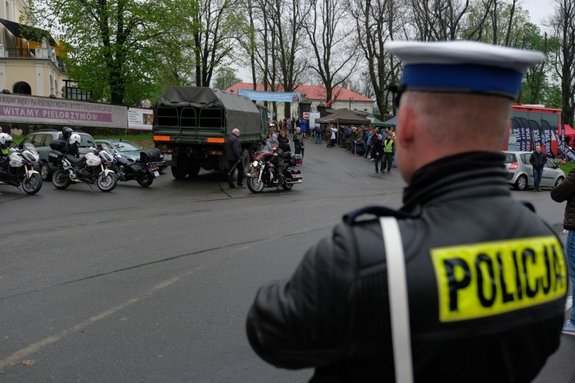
(152, 155)
(54, 156)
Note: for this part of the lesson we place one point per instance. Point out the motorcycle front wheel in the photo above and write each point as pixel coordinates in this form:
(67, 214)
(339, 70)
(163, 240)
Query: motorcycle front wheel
(108, 182)
(145, 180)
(32, 184)
(255, 185)
(60, 179)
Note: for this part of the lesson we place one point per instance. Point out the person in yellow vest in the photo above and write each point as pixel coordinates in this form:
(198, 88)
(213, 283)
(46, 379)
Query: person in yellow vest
(388, 152)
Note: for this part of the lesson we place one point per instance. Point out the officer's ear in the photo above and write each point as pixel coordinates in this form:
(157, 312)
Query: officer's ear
(406, 126)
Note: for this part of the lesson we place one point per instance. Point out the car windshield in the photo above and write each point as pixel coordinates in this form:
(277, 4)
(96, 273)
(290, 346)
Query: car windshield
(86, 141)
(125, 146)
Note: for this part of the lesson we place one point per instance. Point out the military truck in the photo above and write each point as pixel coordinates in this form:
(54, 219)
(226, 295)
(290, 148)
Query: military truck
(191, 125)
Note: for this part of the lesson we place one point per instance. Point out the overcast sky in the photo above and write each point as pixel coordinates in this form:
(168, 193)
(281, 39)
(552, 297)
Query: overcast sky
(539, 10)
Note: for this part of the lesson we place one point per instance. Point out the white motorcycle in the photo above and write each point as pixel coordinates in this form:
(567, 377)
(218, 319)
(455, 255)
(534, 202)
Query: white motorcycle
(96, 170)
(20, 172)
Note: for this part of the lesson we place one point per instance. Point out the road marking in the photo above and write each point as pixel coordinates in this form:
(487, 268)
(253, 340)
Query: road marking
(569, 302)
(35, 347)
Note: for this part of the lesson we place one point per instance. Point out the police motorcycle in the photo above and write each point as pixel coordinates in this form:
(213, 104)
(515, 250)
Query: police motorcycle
(18, 168)
(90, 169)
(272, 169)
(143, 170)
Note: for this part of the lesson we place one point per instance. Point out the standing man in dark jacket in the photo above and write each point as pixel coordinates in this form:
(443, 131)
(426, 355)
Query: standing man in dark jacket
(538, 160)
(464, 283)
(234, 155)
(377, 151)
(560, 193)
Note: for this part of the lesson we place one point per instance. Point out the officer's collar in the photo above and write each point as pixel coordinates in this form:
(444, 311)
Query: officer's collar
(449, 170)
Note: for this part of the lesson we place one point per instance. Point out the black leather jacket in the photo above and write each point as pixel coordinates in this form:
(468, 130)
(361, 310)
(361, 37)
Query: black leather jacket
(233, 148)
(566, 192)
(538, 160)
(487, 282)
(71, 149)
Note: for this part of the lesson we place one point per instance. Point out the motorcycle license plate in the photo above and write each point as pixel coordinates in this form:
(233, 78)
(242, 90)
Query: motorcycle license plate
(156, 173)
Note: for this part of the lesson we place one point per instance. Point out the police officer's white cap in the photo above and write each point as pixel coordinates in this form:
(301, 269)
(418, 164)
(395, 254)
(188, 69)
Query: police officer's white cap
(463, 66)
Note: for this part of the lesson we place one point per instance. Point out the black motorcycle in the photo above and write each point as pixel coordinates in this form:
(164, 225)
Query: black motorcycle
(143, 170)
(272, 170)
(20, 171)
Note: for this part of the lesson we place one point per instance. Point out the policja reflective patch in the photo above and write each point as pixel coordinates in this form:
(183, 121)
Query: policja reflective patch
(491, 278)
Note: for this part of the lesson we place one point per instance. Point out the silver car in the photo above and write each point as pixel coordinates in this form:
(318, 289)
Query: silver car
(521, 171)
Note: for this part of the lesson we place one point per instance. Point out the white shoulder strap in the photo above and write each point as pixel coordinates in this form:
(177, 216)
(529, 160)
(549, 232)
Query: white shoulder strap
(398, 300)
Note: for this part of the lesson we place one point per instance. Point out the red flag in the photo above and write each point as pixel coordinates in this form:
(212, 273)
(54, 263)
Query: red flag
(328, 105)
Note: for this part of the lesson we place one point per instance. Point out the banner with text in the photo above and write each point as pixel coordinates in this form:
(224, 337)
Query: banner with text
(50, 111)
(140, 119)
(256, 95)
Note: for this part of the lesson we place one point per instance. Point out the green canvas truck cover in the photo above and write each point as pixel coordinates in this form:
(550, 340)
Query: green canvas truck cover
(240, 112)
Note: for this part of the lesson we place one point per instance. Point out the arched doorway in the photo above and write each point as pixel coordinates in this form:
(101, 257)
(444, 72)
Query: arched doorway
(22, 87)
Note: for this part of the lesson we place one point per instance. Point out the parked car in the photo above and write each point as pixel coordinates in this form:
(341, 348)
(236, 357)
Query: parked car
(127, 149)
(521, 171)
(42, 140)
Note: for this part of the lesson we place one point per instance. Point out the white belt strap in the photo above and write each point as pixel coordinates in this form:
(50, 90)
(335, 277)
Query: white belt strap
(398, 300)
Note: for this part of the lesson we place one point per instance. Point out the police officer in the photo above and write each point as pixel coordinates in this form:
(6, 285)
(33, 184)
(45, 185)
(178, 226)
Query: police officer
(71, 148)
(5, 142)
(463, 283)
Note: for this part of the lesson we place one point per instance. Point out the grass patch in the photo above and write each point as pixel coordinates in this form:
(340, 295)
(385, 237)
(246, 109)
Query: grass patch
(142, 139)
(567, 167)
(129, 137)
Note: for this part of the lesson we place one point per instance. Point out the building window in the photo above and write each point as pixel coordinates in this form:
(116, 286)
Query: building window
(72, 92)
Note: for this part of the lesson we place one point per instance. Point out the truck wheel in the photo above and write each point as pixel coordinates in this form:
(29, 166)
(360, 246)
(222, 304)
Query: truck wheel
(179, 172)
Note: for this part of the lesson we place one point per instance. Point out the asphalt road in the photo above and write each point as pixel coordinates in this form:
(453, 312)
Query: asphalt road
(153, 285)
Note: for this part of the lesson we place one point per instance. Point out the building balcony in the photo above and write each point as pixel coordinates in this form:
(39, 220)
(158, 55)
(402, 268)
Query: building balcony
(33, 54)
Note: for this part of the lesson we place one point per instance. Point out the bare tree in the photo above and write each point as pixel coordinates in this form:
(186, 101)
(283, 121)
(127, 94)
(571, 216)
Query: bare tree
(287, 18)
(564, 28)
(214, 25)
(478, 19)
(265, 41)
(378, 21)
(438, 19)
(330, 41)
(252, 44)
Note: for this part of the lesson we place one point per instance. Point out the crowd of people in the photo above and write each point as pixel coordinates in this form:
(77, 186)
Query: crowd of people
(372, 143)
